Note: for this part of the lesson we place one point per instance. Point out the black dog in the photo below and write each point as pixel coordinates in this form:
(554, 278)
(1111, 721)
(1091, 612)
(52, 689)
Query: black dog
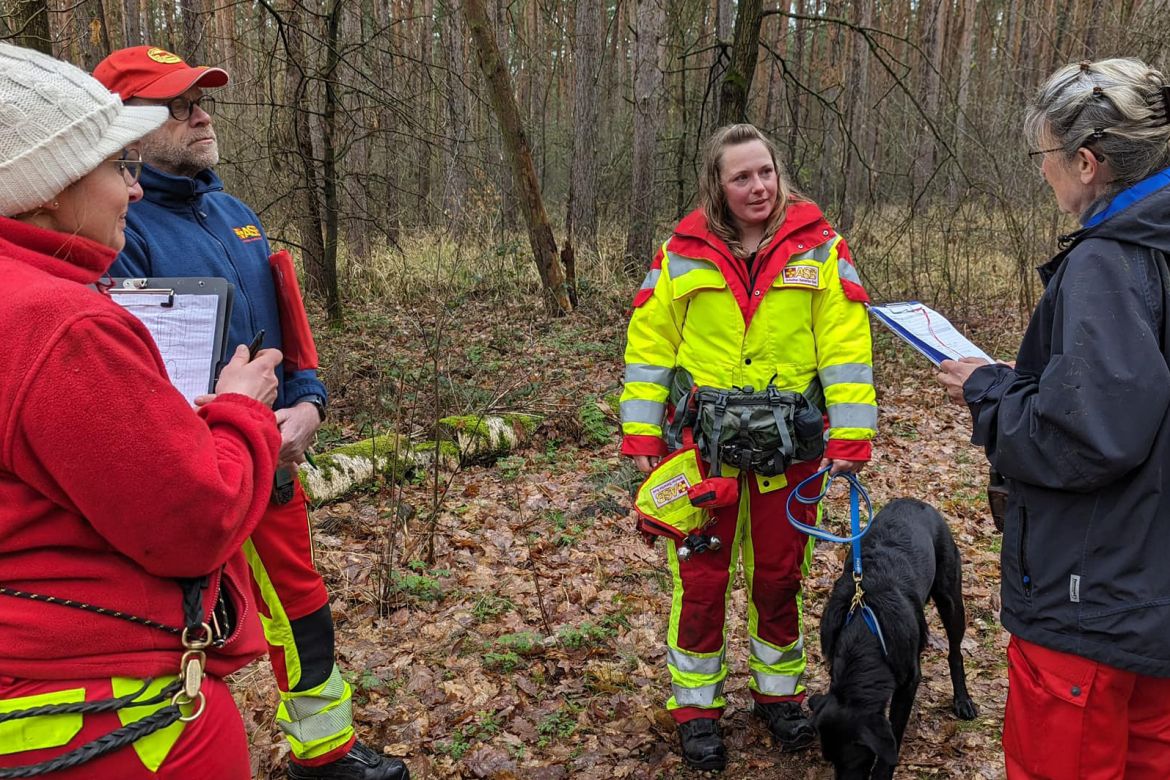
(908, 556)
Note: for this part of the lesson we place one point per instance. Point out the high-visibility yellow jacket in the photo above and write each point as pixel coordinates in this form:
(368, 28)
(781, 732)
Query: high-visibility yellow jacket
(797, 319)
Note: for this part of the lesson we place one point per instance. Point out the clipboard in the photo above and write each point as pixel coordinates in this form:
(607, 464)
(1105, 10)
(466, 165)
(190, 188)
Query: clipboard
(927, 331)
(188, 318)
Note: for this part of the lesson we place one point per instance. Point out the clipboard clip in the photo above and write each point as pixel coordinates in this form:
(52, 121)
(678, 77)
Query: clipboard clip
(131, 286)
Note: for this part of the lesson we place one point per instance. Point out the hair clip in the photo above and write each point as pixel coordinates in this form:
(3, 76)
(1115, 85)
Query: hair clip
(1165, 90)
(1085, 65)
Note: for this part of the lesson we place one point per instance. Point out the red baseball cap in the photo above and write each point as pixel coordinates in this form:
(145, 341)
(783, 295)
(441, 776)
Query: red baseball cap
(153, 73)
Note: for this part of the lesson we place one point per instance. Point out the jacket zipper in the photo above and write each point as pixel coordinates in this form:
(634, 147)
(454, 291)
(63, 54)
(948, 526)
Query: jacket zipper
(1025, 576)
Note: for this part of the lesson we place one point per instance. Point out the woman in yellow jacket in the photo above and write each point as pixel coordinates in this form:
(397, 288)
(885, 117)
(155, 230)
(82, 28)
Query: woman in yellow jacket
(754, 288)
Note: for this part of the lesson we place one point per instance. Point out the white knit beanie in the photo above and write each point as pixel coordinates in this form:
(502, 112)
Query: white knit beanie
(57, 124)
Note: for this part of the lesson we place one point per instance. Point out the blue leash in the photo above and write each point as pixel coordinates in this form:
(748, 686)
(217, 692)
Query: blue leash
(857, 494)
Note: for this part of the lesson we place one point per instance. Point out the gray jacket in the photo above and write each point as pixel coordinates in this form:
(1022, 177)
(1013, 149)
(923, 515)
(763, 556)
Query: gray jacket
(1079, 428)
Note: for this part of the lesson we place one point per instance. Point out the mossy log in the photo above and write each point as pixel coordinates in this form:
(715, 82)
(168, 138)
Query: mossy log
(350, 466)
(462, 439)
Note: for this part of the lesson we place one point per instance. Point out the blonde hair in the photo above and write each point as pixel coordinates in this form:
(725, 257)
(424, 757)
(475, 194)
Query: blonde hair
(712, 199)
(1116, 108)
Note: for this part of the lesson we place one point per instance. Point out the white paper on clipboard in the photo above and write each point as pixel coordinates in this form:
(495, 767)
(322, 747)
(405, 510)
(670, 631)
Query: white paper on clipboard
(927, 331)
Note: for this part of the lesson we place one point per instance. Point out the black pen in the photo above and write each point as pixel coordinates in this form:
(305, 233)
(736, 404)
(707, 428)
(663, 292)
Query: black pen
(254, 347)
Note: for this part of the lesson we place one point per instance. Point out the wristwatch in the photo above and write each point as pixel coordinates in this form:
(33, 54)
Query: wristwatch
(317, 401)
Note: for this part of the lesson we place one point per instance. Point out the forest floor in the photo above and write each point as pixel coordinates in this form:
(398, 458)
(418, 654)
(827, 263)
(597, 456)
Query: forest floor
(507, 622)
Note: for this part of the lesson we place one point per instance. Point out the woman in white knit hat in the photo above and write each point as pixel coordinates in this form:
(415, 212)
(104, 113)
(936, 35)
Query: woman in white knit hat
(123, 594)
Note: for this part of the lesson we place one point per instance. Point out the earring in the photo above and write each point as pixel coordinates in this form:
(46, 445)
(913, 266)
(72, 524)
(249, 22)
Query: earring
(51, 206)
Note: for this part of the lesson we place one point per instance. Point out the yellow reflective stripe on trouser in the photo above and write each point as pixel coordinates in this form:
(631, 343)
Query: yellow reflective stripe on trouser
(318, 720)
(154, 748)
(41, 731)
(277, 629)
(696, 679)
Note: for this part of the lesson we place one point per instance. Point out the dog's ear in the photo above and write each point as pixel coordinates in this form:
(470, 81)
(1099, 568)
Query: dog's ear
(877, 735)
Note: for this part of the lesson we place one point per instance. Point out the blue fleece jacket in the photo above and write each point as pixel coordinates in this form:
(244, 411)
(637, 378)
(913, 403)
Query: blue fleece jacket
(191, 227)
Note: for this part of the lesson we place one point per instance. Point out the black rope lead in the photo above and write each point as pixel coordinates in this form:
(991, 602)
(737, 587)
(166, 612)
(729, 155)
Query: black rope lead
(108, 743)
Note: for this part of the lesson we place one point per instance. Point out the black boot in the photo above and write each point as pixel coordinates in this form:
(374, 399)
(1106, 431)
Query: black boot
(360, 763)
(788, 723)
(702, 744)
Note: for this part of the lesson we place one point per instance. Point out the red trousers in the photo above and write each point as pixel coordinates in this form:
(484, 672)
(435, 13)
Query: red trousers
(774, 557)
(1069, 718)
(212, 746)
(283, 542)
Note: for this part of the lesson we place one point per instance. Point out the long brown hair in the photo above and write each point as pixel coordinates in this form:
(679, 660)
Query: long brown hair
(714, 202)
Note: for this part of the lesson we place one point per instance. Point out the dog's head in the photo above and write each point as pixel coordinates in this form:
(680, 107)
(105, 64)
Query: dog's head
(851, 740)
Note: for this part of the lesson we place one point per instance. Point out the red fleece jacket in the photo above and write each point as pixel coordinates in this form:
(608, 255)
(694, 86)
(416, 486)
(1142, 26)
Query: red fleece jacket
(110, 485)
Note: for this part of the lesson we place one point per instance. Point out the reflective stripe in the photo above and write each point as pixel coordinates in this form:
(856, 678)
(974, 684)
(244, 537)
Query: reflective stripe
(853, 416)
(656, 375)
(847, 271)
(651, 279)
(679, 265)
(770, 656)
(704, 696)
(776, 684)
(322, 714)
(648, 412)
(694, 664)
(818, 253)
(39, 732)
(846, 373)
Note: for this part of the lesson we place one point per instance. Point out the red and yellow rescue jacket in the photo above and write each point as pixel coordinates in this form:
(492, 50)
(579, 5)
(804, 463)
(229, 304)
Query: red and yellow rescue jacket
(798, 319)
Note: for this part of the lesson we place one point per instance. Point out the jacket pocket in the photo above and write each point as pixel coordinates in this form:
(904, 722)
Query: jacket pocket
(1022, 553)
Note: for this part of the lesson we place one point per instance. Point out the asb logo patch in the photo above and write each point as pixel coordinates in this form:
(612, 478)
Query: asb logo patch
(671, 490)
(163, 56)
(807, 275)
(247, 233)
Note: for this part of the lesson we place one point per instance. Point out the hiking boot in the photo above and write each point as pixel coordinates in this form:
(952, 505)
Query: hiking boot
(788, 723)
(360, 763)
(702, 744)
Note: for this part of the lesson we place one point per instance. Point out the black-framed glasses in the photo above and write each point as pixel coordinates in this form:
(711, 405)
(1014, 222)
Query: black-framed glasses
(180, 107)
(1042, 152)
(129, 165)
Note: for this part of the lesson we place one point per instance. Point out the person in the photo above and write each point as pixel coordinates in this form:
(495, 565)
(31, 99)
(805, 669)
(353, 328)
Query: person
(753, 289)
(186, 225)
(1078, 427)
(122, 509)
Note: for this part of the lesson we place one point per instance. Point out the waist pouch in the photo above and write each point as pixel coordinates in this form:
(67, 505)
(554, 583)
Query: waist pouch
(764, 432)
(663, 503)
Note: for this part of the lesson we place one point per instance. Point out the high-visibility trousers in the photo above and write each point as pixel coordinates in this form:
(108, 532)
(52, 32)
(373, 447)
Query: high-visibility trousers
(213, 745)
(1069, 718)
(775, 560)
(315, 712)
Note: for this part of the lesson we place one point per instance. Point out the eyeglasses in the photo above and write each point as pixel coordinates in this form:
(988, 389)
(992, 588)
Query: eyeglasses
(1041, 152)
(130, 166)
(180, 107)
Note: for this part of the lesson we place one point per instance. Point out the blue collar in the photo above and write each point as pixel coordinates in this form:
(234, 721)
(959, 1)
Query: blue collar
(1130, 196)
(169, 190)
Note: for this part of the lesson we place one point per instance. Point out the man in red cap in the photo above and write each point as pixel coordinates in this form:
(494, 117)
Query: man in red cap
(186, 225)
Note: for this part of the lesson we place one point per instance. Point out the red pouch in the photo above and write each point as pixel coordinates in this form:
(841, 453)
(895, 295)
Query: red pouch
(714, 492)
(300, 351)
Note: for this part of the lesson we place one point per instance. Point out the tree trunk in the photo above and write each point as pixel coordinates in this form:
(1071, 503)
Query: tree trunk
(737, 82)
(132, 23)
(540, 235)
(456, 121)
(857, 167)
(328, 271)
(32, 25)
(308, 218)
(647, 119)
(590, 33)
